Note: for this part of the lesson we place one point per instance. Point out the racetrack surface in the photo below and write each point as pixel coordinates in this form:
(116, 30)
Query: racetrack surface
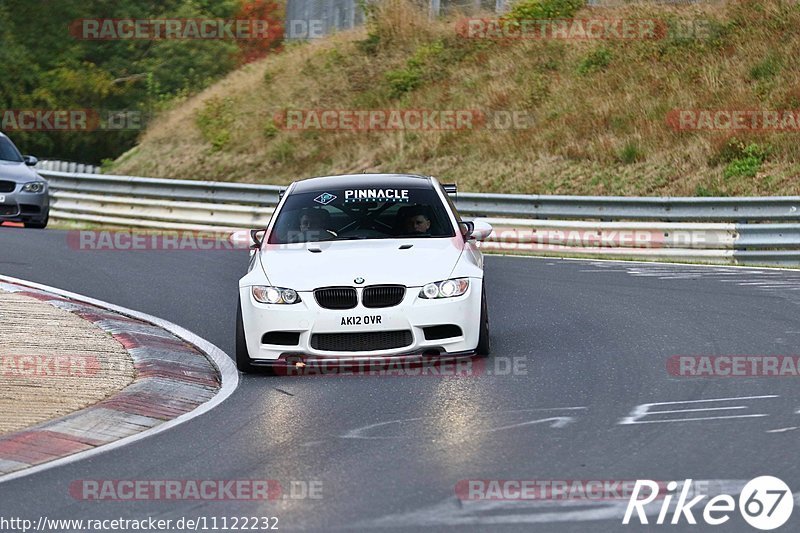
(594, 337)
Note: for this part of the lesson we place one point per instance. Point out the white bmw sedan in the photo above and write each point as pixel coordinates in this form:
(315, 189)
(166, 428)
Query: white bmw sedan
(363, 266)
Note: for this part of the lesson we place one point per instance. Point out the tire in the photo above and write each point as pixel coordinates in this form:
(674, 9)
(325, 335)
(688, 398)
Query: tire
(242, 355)
(39, 224)
(484, 347)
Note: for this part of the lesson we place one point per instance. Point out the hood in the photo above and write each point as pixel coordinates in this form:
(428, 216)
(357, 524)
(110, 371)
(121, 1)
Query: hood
(377, 261)
(17, 172)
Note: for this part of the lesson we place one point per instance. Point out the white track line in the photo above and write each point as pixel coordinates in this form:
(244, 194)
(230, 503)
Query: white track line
(228, 374)
(657, 263)
(648, 263)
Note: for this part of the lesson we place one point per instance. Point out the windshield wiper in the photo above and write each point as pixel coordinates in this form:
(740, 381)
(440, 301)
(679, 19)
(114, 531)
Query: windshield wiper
(347, 238)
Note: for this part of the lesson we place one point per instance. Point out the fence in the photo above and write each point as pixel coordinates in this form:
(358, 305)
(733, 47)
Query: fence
(66, 166)
(716, 230)
(316, 18)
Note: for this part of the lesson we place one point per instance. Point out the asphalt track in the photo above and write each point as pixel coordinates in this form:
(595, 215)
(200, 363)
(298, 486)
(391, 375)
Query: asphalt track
(594, 338)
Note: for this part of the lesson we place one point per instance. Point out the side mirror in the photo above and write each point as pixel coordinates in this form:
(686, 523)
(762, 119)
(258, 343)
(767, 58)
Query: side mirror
(481, 230)
(467, 227)
(257, 238)
(30, 160)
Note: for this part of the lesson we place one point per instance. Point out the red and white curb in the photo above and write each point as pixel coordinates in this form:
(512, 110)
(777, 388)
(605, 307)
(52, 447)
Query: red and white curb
(179, 376)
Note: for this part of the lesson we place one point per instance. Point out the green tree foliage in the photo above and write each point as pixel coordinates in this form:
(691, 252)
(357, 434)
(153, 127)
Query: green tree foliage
(44, 66)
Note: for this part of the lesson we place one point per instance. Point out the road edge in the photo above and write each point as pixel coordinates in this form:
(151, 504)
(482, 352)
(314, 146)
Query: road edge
(229, 377)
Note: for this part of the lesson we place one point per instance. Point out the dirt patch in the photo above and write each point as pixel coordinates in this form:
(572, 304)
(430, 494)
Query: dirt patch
(52, 362)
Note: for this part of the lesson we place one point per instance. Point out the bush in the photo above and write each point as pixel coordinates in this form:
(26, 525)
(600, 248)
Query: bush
(418, 65)
(282, 152)
(598, 59)
(725, 151)
(748, 164)
(270, 130)
(402, 81)
(544, 9)
(630, 153)
(215, 120)
(44, 67)
(702, 190)
(766, 69)
(370, 45)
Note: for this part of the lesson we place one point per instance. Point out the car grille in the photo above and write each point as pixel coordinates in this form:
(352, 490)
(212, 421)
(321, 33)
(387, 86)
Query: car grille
(383, 295)
(336, 297)
(7, 186)
(361, 342)
(8, 210)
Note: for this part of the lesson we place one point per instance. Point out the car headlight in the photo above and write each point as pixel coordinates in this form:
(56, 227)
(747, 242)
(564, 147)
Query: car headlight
(448, 288)
(275, 295)
(34, 186)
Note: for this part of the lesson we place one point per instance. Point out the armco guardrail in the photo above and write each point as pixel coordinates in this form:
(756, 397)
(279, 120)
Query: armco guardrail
(718, 230)
(159, 203)
(665, 209)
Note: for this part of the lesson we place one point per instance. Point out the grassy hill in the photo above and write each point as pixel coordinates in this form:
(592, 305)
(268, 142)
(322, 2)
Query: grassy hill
(598, 109)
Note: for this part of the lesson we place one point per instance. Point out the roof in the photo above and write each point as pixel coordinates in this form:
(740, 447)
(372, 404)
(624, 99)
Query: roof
(356, 181)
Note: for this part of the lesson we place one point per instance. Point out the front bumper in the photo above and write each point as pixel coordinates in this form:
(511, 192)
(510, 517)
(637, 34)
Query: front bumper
(20, 206)
(413, 314)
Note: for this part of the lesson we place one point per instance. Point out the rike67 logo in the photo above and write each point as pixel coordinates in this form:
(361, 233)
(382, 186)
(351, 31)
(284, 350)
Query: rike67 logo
(765, 503)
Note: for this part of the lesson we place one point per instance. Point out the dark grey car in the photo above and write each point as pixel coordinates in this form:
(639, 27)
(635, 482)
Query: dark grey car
(23, 193)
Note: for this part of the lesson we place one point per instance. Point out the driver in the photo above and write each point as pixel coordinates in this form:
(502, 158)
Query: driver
(416, 219)
(313, 224)
(312, 219)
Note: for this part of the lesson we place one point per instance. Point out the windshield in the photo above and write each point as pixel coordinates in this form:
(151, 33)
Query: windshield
(374, 213)
(8, 152)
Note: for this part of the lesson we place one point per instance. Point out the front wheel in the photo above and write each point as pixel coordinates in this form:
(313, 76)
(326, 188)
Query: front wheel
(484, 344)
(242, 355)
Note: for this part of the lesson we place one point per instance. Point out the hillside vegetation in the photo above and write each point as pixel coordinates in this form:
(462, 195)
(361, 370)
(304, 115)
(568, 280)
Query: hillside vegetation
(46, 65)
(598, 109)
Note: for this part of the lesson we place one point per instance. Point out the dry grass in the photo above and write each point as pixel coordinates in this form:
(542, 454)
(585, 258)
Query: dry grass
(597, 128)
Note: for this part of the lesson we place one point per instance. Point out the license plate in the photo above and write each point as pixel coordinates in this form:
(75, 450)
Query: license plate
(361, 320)
(2, 198)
